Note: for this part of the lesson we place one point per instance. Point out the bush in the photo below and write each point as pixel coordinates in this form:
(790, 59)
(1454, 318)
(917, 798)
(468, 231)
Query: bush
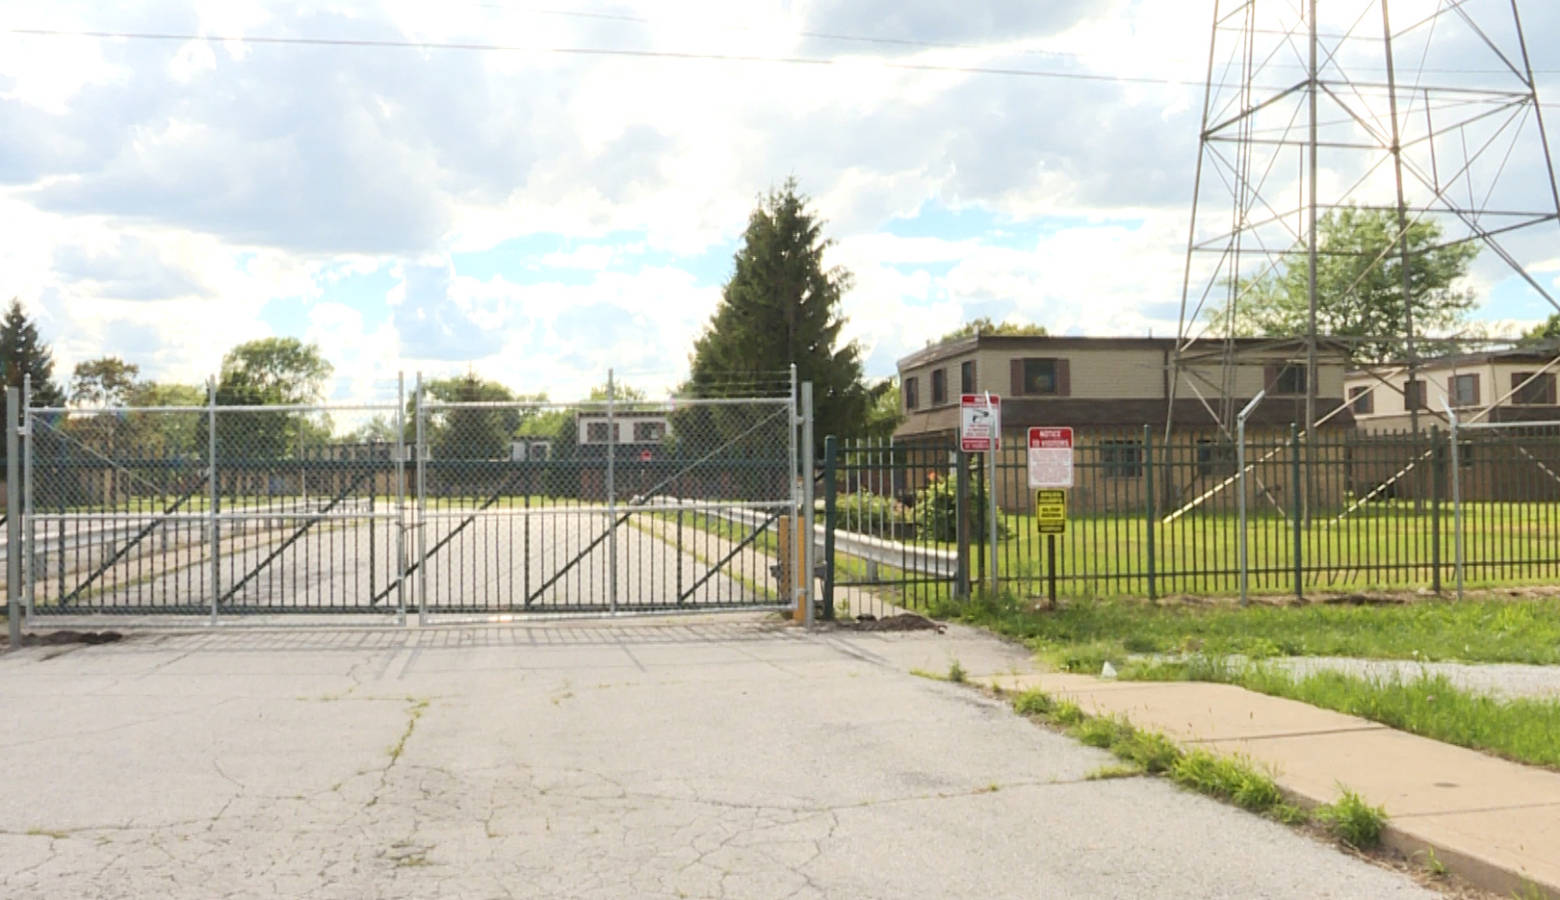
(863, 510)
(937, 509)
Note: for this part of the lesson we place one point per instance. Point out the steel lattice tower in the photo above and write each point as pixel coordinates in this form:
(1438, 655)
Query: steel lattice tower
(1427, 109)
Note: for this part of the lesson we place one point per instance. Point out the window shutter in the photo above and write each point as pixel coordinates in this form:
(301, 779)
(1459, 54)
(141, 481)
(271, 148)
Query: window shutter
(1269, 377)
(1476, 393)
(1516, 380)
(1451, 389)
(1016, 367)
(1549, 389)
(1063, 379)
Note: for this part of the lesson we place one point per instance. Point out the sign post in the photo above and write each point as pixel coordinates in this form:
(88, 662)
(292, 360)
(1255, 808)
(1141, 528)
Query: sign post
(980, 431)
(1051, 474)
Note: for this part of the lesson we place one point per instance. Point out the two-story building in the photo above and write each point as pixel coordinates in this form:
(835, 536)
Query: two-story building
(1511, 386)
(1108, 389)
(1514, 385)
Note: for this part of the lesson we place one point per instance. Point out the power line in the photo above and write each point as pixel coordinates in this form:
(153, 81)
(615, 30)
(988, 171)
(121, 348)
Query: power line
(629, 53)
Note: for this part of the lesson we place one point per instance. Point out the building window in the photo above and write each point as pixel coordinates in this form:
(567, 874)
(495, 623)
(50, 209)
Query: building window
(649, 432)
(939, 387)
(1361, 400)
(1465, 390)
(1413, 394)
(1290, 380)
(1040, 376)
(967, 377)
(1122, 459)
(1540, 391)
(597, 432)
(1215, 457)
(911, 400)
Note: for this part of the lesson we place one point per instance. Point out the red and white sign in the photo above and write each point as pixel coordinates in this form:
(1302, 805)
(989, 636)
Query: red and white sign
(980, 422)
(1051, 457)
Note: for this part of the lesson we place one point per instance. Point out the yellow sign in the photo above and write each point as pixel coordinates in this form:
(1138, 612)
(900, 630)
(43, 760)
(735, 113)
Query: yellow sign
(1051, 510)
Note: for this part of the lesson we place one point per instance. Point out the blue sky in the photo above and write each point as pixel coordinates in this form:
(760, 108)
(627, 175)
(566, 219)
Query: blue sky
(539, 217)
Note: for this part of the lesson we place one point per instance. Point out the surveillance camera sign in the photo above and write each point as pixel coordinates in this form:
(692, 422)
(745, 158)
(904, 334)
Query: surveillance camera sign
(980, 422)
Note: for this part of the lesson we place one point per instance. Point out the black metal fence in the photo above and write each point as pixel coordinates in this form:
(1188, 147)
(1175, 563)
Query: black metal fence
(1151, 517)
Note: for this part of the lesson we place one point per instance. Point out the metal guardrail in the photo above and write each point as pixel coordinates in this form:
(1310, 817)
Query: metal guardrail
(873, 551)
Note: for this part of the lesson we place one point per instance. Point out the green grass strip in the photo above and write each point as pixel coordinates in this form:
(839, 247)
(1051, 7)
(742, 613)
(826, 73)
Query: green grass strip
(1082, 634)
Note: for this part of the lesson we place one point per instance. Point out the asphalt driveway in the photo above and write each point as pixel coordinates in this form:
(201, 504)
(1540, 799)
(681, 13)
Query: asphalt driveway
(711, 757)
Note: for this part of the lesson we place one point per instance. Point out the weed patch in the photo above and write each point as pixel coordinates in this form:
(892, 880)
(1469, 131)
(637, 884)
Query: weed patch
(1353, 821)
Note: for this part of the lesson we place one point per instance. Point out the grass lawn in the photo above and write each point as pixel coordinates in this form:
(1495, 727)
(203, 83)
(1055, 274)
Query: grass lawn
(1080, 635)
(1382, 545)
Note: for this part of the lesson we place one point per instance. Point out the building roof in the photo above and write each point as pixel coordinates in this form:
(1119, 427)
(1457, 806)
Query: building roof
(1536, 352)
(1207, 347)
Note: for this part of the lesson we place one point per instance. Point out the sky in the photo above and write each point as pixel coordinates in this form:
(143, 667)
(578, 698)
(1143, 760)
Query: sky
(537, 211)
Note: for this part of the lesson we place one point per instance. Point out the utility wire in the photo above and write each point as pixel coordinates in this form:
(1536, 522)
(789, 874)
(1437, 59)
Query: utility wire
(618, 52)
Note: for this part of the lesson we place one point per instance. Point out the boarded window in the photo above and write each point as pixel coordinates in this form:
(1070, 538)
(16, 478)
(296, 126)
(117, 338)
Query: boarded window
(911, 400)
(1464, 390)
(1215, 457)
(1361, 400)
(1040, 376)
(1532, 389)
(1289, 379)
(967, 377)
(649, 432)
(1121, 459)
(1414, 394)
(939, 386)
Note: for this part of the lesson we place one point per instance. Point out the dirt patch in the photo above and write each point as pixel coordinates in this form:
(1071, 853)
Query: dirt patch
(57, 638)
(901, 622)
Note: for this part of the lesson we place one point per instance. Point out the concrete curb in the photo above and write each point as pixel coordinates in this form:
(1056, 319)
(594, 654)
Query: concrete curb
(1489, 827)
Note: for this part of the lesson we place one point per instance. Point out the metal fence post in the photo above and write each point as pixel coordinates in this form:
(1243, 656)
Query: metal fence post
(28, 525)
(961, 507)
(420, 454)
(1148, 508)
(13, 519)
(400, 498)
(215, 496)
(612, 560)
(1457, 511)
(809, 543)
(1437, 466)
(830, 521)
(1297, 504)
(1240, 476)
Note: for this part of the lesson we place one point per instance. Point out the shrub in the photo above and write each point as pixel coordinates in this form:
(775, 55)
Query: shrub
(937, 509)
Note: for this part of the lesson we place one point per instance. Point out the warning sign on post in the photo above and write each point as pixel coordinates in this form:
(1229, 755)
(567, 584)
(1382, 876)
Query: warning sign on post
(980, 422)
(1051, 510)
(1051, 457)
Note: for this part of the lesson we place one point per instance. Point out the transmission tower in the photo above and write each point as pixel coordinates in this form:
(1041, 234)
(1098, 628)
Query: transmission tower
(1424, 108)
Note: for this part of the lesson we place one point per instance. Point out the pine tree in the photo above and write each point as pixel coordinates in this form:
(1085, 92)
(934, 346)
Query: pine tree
(781, 307)
(22, 354)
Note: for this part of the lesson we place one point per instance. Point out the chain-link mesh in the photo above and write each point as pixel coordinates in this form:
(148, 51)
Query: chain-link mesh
(602, 506)
(430, 505)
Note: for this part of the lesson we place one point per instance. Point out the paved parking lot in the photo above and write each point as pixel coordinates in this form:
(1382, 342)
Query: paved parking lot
(732, 757)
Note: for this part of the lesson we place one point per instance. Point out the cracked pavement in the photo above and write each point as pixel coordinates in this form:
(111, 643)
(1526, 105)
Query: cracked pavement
(701, 757)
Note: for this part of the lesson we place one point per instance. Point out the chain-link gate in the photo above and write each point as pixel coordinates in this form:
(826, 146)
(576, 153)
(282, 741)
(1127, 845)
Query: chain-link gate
(448, 507)
(602, 506)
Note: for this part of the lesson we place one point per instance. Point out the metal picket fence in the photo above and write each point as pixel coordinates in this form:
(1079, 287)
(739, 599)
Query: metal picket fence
(1154, 518)
(452, 508)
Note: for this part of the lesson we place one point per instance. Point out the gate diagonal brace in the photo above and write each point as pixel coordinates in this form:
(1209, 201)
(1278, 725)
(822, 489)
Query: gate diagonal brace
(293, 539)
(129, 545)
(500, 492)
(721, 564)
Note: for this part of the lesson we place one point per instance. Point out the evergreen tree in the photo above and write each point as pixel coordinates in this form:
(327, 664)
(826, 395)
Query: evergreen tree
(781, 307)
(21, 354)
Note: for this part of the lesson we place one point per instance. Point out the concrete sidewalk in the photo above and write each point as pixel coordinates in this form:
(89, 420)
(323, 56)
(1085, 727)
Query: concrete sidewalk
(1493, 822)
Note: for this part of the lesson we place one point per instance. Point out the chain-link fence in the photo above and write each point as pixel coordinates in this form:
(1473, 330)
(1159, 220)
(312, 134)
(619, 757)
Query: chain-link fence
(411, 504)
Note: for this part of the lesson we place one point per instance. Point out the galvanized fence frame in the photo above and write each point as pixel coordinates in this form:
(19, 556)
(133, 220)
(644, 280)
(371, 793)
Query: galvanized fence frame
(253, 512)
